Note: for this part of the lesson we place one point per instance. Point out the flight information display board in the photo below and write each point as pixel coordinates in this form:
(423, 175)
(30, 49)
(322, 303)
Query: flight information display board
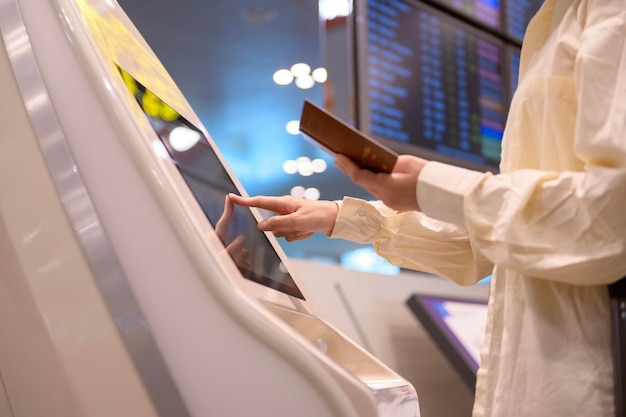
(431, 82)
(487, 12)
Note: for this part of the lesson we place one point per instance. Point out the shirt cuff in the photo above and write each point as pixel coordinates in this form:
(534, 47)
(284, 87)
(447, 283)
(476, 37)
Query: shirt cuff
(441, 189)
(356, 220)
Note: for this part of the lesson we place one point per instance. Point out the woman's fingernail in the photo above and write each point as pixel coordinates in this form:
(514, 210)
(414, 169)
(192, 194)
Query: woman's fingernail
(263, 225)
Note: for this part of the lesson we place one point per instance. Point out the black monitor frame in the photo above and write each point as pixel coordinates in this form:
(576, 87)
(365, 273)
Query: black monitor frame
(452, 348)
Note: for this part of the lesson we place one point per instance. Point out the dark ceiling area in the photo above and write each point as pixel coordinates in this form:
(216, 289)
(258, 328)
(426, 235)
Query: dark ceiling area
(223, 54)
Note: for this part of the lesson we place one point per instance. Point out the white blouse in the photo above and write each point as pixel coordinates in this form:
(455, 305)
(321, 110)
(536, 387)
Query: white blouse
(550, 228)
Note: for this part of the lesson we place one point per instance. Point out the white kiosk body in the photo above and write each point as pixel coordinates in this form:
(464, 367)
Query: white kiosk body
(123, 290)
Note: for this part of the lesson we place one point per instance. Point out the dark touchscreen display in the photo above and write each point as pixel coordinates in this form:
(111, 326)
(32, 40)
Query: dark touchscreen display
(210, 183)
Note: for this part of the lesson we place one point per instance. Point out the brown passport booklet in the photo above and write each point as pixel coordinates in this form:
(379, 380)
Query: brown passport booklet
(335, 136)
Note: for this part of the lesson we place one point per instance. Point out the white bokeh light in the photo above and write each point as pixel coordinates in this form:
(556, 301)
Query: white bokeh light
(290, 166)
(312, 194)
(319, 165)
(298, 191)
(305, 167)
(300, 69)
(283, 77)
(331, 9)
(306, 170)
(320, 75)
(300, 73)
(305, 82)
(293, 127)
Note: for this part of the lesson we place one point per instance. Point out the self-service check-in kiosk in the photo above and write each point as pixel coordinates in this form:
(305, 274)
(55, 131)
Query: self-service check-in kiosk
(129, 286)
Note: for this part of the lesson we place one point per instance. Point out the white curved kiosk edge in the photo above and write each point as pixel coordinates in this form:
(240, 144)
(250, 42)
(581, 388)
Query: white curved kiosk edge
(117, 295)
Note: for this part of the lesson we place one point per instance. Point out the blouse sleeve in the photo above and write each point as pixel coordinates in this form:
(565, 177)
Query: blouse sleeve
(412, 240)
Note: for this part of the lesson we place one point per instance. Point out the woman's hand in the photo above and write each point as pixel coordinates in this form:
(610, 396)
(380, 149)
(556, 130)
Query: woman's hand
(397, 190)
(297, 218)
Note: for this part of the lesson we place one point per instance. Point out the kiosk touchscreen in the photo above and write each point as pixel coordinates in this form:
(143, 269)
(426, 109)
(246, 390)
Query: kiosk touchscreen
(210, 184)
(129, 284)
